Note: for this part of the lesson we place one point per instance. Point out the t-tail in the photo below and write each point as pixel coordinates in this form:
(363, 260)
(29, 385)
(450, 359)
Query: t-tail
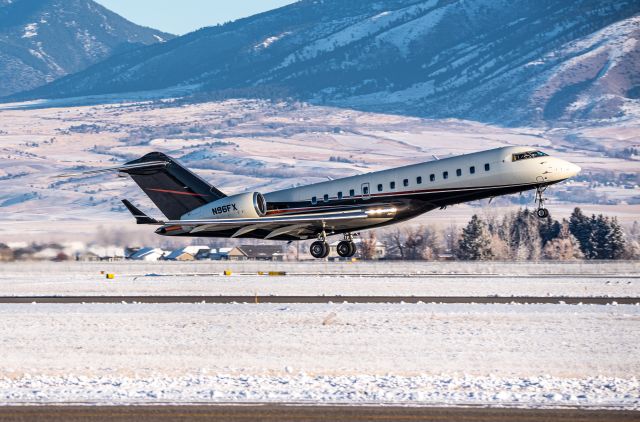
(174, 189)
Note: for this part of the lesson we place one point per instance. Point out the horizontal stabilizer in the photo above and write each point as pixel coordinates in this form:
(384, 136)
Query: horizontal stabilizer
(124, 167)
(141, 218)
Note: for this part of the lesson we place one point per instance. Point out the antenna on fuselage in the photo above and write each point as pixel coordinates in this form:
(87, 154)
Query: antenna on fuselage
(435, 157)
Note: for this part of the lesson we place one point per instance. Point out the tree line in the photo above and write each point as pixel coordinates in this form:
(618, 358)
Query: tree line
(519, 236)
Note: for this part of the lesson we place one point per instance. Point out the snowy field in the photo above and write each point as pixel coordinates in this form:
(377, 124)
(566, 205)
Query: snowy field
(620, 279)
(247, 145)
(422, 354)
(413, 354)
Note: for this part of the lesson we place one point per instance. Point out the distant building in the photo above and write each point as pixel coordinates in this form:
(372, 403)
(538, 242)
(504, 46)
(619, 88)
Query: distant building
(257, 253)
(107, 253)
(220, 254)
(148, 254)
(87, 256)
(189, 253)
(6, 253)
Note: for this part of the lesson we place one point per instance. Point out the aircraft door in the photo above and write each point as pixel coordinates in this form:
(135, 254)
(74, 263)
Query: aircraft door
(366, 191)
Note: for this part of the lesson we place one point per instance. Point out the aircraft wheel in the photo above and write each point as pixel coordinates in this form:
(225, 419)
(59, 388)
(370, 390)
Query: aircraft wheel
(353, 249)
(319, 249)
(542, 212)
(345, 249)
(327, 250)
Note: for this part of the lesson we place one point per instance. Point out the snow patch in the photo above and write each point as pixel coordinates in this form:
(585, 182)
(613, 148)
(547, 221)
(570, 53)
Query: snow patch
(30, 30)
(541, 391)
(403, 35)
(357, 32)
(269, 41)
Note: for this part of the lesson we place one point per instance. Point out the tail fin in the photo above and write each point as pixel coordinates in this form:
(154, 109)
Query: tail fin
(174, 189)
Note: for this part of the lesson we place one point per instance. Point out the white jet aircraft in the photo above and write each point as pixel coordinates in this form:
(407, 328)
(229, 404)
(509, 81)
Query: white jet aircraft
(193, 207)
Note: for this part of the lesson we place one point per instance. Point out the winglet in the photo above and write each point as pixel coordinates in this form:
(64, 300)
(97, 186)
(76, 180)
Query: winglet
(141, 218)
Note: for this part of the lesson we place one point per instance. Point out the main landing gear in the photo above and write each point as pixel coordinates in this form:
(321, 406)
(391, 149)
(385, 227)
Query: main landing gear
(346, 248)
(320, 248)
(541, 212)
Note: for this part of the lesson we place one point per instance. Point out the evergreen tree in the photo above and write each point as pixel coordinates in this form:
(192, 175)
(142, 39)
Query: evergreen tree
(599, 237)
(475, 243)
(581, 226)
(616, 243)
(549, 229)
(524, 237)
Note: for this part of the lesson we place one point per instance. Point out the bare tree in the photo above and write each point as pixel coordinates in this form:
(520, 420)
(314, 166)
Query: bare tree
(565, 247)
(368, 246)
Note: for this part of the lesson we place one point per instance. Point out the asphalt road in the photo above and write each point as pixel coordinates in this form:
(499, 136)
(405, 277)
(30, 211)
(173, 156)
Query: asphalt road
(284, 413)
(318, 299)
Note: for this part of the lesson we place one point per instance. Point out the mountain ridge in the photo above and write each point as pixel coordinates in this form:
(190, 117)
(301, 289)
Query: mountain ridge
(496, 61)
(43, 40)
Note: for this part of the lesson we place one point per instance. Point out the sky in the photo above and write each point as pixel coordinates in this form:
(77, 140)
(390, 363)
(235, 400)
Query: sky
(182, 16)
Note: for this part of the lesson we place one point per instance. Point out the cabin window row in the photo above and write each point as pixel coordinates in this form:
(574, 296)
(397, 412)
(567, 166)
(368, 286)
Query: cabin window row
(405, 183)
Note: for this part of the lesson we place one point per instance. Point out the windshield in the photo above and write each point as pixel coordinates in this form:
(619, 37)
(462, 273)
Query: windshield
(529, 154)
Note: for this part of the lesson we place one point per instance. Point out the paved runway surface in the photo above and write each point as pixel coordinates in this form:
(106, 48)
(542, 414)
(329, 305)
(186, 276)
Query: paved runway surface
(282, 413)
(318, 299)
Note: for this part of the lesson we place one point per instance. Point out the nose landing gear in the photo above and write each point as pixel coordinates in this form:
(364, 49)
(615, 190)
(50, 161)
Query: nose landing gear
(541, 212)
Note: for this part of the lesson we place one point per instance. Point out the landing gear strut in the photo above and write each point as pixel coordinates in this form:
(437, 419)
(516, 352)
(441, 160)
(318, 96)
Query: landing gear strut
(347, 248)
(541, 212)
(320, 248)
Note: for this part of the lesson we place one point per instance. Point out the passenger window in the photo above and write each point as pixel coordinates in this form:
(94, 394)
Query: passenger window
(392, 185)
(326, 198)
(339, 195)
(432, 177)
(459, 172)
(419, 180)
(445, 174)
(405, 182)
(380, 187)
(352, 192)
(487, 167)
(314, 200)
(472, 169)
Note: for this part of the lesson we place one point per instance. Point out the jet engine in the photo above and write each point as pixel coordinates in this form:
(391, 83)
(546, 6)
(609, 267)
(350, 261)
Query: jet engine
(245, 205)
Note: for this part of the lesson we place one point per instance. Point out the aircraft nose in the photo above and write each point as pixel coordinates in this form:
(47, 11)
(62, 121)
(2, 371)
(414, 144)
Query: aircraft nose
(573, 169)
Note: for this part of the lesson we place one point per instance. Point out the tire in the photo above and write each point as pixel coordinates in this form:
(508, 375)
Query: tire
(353, 249)
(319, 249)
(542, 212)
(344, 249)
(327, 250)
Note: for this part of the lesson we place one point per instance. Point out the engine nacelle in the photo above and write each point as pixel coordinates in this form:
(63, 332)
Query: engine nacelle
(245, 205)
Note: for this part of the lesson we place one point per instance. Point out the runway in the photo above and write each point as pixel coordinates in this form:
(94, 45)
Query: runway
(323, 299)
(286, 413)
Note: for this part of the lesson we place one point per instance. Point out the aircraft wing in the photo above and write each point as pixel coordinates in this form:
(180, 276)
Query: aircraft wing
(300, 225)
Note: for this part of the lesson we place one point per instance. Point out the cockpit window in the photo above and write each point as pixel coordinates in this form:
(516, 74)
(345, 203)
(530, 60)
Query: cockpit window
(526, 155)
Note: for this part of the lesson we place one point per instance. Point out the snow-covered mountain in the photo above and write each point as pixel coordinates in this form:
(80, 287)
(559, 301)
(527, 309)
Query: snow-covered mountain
(501, 61)
(42, 40)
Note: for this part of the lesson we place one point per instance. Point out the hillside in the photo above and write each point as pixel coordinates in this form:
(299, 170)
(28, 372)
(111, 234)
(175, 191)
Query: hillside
(510, 62)
(43, 40)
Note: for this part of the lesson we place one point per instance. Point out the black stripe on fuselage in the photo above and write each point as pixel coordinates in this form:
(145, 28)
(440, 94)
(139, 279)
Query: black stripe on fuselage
(434, 197)
(409, 205)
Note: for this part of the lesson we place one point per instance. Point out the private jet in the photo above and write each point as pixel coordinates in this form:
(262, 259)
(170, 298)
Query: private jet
(345, 206)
